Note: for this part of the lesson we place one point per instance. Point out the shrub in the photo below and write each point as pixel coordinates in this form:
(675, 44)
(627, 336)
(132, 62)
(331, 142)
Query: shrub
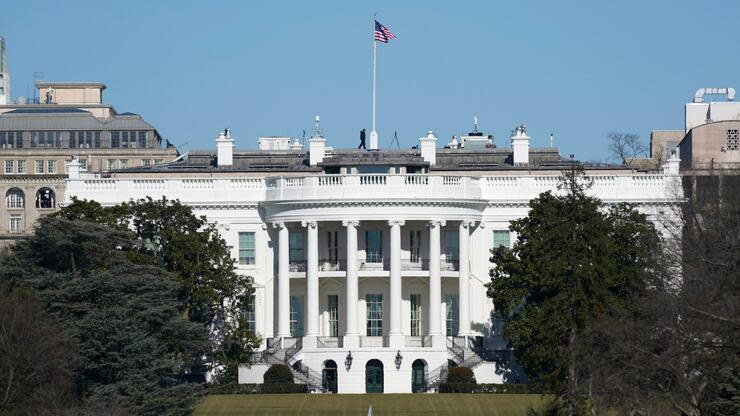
(278, 373)
(491, 388)
(233, 388)
(461, 375)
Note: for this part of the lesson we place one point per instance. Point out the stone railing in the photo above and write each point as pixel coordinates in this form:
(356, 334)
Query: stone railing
(375, 186)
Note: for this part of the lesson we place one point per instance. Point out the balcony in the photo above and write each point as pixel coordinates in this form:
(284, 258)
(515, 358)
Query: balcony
(373, 186)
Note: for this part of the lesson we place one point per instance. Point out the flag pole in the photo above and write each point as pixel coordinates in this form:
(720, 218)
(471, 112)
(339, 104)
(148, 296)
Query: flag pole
(373, 133)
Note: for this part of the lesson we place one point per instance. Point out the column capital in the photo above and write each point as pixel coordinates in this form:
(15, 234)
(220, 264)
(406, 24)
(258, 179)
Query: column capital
(437, 223)
(278, 225)
(311, 224)
(467, 223)
(350, 223)
(396, 222)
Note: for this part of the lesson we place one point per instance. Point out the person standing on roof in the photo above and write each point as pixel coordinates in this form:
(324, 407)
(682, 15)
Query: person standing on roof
(362, 140)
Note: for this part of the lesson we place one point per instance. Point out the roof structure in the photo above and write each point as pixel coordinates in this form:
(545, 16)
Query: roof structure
(60, 118)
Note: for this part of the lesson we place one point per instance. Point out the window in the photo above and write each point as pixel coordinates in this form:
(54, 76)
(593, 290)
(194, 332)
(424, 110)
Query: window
(16, 223)
(45, 198)
(374, 315)
(246, 248)
(72, 139)
(416, 329)
(451, 314)
(7, 139)
(374, 246)
(9, 167)
(83, 164)
(143, 135)
(46, 138)
(333, 246)
(21, 166)
(415, 245)
(296, 317)
(157, 161)
(146, 162)
(111, 164)
(501, 238)
(248, 313)
(733, 139)
(115, 139)
(14, 198)
(452, 247)
(333, 306)
(295, 245)
(97, 140)
(51, 166)
(123, 163)
(39, 166)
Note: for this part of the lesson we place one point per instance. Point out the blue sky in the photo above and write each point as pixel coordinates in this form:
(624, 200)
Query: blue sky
(579, 69)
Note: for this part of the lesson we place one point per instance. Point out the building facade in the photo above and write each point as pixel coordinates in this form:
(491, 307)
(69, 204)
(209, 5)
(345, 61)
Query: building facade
(370, 266)
(37, 139)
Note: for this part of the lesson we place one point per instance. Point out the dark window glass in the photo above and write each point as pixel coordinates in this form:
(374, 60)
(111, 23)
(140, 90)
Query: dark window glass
(142, 138)
(115, 139)
(72, 139)
(97, 140)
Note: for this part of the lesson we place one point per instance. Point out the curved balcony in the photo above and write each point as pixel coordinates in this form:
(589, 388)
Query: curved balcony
(373, 186)
(373, 197)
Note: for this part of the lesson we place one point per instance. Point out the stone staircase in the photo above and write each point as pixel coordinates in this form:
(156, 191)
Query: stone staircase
(465, 354)
(283, 351)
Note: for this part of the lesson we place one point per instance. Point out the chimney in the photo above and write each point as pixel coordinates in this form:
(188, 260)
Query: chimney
(316, 145)
(225, 149)
(73, 168)
(428, 146)
(520, 145)
(672, 165)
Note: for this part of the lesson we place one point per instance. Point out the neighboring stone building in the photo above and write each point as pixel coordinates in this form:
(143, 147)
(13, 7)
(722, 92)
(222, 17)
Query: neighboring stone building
(710, 141)
(370, 266)
(38, 139)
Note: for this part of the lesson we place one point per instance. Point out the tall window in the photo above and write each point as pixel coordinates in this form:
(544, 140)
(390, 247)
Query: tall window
(39, 166)
(143, 135)
(452, 246)
(51, 166)
(451, 314)
(18, 139)
(14, 198)
(7, 139)
(115, 139)
(374, 246)
(295, 245)
(97, 140)
(45, 198)
(16, 223)
(146, 162)
(333, 306)
(21, 166)
(9, 167)
(248, 313)
(111, 164)
(415, 245)
(501, 238)
(124, 163)
(246, 248)
(416, 329)
(374, 315)
(296, 317)
(332, 241)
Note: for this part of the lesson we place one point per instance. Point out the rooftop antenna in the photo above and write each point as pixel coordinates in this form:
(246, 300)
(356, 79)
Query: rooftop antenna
(303, 139)
(552, 139)
(317, 128)
(395, 140)
(475, 124)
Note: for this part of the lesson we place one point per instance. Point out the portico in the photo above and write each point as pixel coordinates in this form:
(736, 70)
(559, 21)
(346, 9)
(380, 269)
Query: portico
(383, 271)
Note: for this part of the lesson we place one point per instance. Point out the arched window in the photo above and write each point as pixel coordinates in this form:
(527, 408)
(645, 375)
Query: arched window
(418, 376)
(329, 376)
(15, 198)
(374, 376)
(45, 198)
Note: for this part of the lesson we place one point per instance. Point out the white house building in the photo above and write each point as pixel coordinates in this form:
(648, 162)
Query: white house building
(370, 266)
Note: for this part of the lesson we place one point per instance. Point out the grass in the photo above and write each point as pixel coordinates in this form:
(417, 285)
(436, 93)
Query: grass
(357, 404)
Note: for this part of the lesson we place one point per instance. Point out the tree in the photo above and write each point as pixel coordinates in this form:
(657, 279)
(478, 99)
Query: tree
(682, 347)
(123, 316)
(170, 236)
(626, 147)
(35, 358)
(574, 261)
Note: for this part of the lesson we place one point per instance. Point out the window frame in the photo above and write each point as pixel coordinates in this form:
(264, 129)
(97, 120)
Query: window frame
(374, 319)
(244, 257)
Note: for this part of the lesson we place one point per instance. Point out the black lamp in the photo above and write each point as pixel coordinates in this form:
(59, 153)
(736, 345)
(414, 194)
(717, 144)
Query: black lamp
(399, 358)
(348, 360)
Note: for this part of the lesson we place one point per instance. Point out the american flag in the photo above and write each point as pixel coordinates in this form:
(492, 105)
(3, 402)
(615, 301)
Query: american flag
(382, 34)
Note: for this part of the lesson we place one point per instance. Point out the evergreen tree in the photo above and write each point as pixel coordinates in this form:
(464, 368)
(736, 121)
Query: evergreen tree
(124, 317)
(574, 261)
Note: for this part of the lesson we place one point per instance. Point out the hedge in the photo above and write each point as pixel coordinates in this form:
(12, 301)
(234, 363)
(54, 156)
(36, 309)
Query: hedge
(257, 388)
(485, 388)
(278, 373)
(461, 375)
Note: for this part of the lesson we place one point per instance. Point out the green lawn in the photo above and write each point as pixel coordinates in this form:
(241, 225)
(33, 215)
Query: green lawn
(357, 404)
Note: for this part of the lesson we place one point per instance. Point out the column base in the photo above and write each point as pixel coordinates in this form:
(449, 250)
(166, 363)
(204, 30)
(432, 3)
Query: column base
(351, 342)
(310, 343)
(439, 341)
(396, 341)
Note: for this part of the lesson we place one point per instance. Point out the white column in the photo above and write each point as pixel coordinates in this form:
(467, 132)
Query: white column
(395, 335)
(283, 321)
(464, 279)
(435, 285)
(351, 337)
(312, 285)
